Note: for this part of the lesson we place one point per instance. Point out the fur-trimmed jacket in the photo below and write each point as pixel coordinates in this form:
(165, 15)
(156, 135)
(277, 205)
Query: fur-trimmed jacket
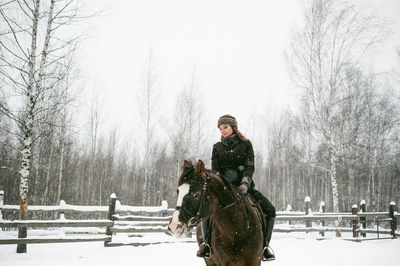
(233, 159)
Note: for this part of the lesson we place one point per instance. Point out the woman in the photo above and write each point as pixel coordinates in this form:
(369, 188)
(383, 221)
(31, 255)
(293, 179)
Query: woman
(233, 159)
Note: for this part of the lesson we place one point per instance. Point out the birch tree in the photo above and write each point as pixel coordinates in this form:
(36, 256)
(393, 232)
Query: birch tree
(335, 36)
(148, 102)
(95, 121)
(35, 61)
(187, 129)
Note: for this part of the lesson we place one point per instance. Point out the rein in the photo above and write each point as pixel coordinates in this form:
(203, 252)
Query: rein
(196, 218)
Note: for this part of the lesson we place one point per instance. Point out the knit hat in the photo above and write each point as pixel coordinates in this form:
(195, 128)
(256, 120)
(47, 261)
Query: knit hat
(227, 119)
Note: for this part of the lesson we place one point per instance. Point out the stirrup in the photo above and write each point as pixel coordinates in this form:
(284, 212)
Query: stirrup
(206, 246)
(270, 252)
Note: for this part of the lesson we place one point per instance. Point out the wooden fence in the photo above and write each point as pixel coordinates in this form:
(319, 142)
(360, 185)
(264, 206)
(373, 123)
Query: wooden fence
(354, 222)
(123, 219)
(117, 219)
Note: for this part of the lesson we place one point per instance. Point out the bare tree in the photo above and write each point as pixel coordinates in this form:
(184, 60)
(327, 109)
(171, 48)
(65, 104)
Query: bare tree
(334, 38)
(35, 60)
(148, 102)
(187, 129)
(95, 121)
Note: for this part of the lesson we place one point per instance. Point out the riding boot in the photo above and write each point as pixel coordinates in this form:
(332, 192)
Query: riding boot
(205, 248)
(268, 253)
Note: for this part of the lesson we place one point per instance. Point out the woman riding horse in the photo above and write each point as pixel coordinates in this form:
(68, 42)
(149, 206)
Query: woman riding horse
(237, 227)
(233, 160)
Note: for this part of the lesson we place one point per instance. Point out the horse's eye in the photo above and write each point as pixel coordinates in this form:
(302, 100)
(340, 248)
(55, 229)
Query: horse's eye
(194, 195)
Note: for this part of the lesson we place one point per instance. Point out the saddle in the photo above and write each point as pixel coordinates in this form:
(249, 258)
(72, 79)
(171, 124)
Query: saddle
(259, 213)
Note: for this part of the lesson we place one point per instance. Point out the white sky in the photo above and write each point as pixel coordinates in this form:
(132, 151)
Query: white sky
(236, 48)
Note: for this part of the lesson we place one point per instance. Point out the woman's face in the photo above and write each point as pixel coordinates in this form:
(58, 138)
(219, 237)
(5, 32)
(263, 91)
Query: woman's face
(226, 130)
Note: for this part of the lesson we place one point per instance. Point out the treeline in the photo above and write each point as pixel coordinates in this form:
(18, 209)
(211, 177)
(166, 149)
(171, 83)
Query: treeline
(343, 143)
(86, 170)
(340, 144)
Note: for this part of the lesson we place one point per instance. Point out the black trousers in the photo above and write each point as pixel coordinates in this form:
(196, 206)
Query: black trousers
(266, 206)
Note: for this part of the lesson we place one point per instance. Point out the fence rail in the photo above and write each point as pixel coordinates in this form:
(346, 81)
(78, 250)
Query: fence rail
(328, 217)
(53, 240)
(56, 223)
(123, 219)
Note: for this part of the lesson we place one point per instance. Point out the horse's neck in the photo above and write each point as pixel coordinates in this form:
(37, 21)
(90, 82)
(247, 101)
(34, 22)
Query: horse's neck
(222, 196)
(222, 192)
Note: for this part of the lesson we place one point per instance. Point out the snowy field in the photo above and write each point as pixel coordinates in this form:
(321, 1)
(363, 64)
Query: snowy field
(290, 249)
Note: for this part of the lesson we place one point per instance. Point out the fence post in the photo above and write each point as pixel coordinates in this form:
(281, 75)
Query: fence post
(322, 210)
(392, 209)
(354, 211)
(289, 209)
(164, 205)
(62, 207)
(111, 212)
(1, 204)
(307, 204)
(363, 219)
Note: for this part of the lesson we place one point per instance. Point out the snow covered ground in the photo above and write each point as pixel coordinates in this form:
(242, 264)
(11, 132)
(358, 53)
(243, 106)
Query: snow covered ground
(290, 249)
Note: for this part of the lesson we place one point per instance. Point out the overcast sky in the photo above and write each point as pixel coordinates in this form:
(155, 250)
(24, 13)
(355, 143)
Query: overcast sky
(235, 47)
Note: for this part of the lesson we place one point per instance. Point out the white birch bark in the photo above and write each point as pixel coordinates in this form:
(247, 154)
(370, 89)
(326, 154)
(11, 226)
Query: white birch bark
(28, 130)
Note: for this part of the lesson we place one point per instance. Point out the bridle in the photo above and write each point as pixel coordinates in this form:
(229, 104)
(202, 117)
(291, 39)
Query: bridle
(196, 218)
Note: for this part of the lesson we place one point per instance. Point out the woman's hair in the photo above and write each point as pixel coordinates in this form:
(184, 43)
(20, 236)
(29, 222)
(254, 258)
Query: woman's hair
(240, 135)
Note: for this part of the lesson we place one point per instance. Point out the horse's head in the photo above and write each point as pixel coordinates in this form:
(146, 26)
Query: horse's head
(192, 196)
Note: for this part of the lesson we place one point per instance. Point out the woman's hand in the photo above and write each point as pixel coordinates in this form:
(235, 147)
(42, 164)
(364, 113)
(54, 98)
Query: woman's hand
(244, 187)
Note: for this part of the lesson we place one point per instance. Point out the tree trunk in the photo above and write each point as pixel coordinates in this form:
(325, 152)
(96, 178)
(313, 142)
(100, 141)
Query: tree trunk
(60, 173)
(24, 184)
(37, 180)
(28, 131)
(351, 191)
(48, 172)
(335, 193)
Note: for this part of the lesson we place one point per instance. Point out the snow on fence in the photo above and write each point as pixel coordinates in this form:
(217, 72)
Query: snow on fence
(357, 220)
(114, 223)
(136, 221)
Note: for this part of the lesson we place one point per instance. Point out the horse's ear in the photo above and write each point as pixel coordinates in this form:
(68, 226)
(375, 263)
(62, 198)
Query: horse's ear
(187, 164)
(201, 169)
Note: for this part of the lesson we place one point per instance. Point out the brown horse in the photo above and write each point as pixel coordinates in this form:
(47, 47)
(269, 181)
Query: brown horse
(236, 235)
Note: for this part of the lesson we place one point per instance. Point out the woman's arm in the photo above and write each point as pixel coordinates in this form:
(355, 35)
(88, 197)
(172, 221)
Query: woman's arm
(249, 165)
(214, 160)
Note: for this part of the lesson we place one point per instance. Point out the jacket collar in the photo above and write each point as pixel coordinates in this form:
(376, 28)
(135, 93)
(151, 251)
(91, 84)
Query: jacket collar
(230, 141)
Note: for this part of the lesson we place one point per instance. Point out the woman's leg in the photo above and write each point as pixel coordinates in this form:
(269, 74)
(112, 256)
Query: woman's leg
(265, 204)
(270, 213)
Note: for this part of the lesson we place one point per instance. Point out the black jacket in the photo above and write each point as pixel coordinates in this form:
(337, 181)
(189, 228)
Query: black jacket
(233, 159)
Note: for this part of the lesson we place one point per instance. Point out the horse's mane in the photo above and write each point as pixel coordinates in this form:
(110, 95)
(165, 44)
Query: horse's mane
(216, 176)
(234, 191)
(191, 166)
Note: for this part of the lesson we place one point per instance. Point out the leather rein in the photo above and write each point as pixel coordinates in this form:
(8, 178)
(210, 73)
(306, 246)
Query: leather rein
(195, 219)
